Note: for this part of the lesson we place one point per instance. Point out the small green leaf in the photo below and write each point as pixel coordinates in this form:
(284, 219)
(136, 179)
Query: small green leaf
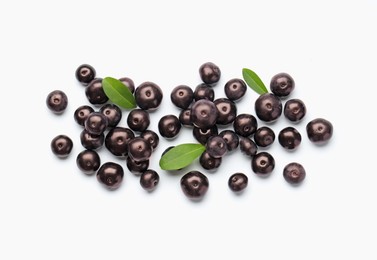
(118, 93)
(181, 156)
(253, 81)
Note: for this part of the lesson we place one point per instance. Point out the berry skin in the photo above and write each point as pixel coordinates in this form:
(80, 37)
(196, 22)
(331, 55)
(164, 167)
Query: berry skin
(209, 73)
(238, 182)
(94, 92)
(148, 96)
(169, 126)
(182, 96)
(226, 111)
(235, 89)
(202, 135)
(248, 147)
(138, 120)
(139, 149)
(203, 114)
(96, 123)
(262, 163)
(282, 85)
(149, 180)
(294, 173)
(289, 138)
(268, 107)
(204, 91)
(208, 162)
(61, 146)
(151, 137)
(194, 185)
(137, 168)
(264, 136)
(216, 146)
(117, 139)
(245, 125)
(113, 114)
(82, 113)
(88, 161)
(91, 142)
(85, 74)
(57, 101)
(319, 131)
(129, 83)
(231, 139)
(294, 110)
(110, 175)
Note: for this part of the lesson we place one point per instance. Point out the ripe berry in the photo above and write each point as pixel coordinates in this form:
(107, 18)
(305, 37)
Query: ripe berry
(139, 149)
(235, 89)
(113, 114)
(262, 163)
(231, 139)
(61, 146)
(151, 137)
(282, 84)
(96, 123)
(148, 96)
(57, 101)
(294, 110)
(88, 161)
(203, 114)
(95, 93)
(185, 117)
(110, 175)
(169, 126)
(319, 130)
(137, 167)
(182, 96)
(289, 138)
(209, 73)
(245, 125)
(149, 180)
(138, 120)
(264, 136)
(202, 135)
(129, 83)
(91, 142)
(208, 162)
(194, 185)
(226, 111)
(82, 113)
(238, 182)
(85, 74)
(204, 91)
(294, 173)
(216, 146)
(268, 107)
(248, 147)
(117, 139)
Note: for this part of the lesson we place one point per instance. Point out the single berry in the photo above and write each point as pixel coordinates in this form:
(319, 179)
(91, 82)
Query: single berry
(231, 139)
(194, 185)
(289, 138)
(82, 113)
(245, 125)
(94, 92)
(110, 175)
(248, 147)
(216, 146)
(113, 114)
(262, 163)
(169, 126)
(268, 107)
(137, 167)
(85, 74)
(149, 180)
(182, 96)
(185, 117)
(203, 114)
(57, 101)
(282, 84)
(96, 123)
(264, 136)
(151, 137)
(138, 120)
(202, 135)
(91, 142)
(61, 146)
(294, 110)
(139, 149)
(117, 139)
(235, 89)
(88, 161)
(129, 83)
(319, 130)
(294, 173)
(148, 96)
(204, 91)
(226, 111)
(209, 73)
(237, 182)
(208, 162)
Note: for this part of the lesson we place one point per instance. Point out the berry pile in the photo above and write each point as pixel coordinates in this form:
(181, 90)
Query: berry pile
(199, 111)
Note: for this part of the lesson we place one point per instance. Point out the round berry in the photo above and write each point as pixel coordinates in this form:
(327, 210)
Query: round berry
(151, 137)
(289, 138)
(194, 185)
(294, 110)
(91, 142)
(138, 120)
(231, 139)
(148, 96)
(57, 101)
(238, 182)
(129, 83)
(216, 146)
(85, 74)
(137, 167)
(235, 89)
(96, 123)
(245, 125)
(169, 126)
(208, 162)
(282, 84)
(262, 163)
(110, 175)
(149, 180)
(209, 73)
(82, 113)
(117, 139)
(61, 146)
(248, 147)
(226, 111)
(264, 136)
(182, 96)
(204, 91)
(319, 130)
(294, 173)
(203, 114)
(88, 161)
(139, 149)
(94, 92)
(113, 114)
(202, 135)
(268, 107)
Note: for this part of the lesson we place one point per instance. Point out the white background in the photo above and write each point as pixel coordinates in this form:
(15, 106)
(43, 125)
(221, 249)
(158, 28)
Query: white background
(50, 210)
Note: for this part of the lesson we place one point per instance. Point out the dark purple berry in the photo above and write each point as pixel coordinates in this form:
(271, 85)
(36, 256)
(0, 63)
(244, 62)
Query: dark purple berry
(289, 138)
(194, 185)
(294, 173)
(262, 163)
(96, 123)
(209, 73)
(238, 182)
(202, 135)
(57, 101)
(282, 84)
(203, 114)
(248, 147)
(91, 142)
(61, 146)
(204, 91)
(235, 89)
(138, 120)
(268, 107)
(88, 161)
(319, 130)
(82, 113)
(139, 149)
(182, 96)
(95, 93)
(294, 110)
(169, 126)
(129, 83)
(216, 146)
(113, 114)
(117, 139)
(264, 136)
(231, 139)
(110, 175)
(148, 96)
(245, 125)
(208, 162)
(137, 167)
(85, 74)
(149, 180)
(226, 111)
(185, 117)
(151, 137)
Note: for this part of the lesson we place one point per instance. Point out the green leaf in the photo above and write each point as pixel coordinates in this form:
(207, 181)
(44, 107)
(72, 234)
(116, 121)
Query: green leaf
(253, 81)
(181, 156)
(118, 93)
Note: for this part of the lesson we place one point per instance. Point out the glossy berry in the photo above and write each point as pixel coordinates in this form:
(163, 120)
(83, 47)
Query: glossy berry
(61, 146)
(137, 167)
(169, 126)
(294, 110)
(248, 147)
(113, 114)
(235, 89)
(289, 138)
(88, 161)
(185, 117)
(194, 185)
(182, 96)
(82, 113)
(238, 182)
(262, 163)
(151, 137)
(148, 96)
(216, 146)
(117, 139)
(203, 114)
(91, 142)
(264, 136)
(57, 101)
(226, 111)
(138, 120)
(209, 73)
(94, 92)
(208, 162)
(294, 173)
(110, 175)
(231, 139)
(85, 74)
(149, 180)
(96, 123)
(268, 107)
(245, 125)
(319, 130)
(282, 84)
(202, 135)
(204, 91)
(129, 83)
(139, 149)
